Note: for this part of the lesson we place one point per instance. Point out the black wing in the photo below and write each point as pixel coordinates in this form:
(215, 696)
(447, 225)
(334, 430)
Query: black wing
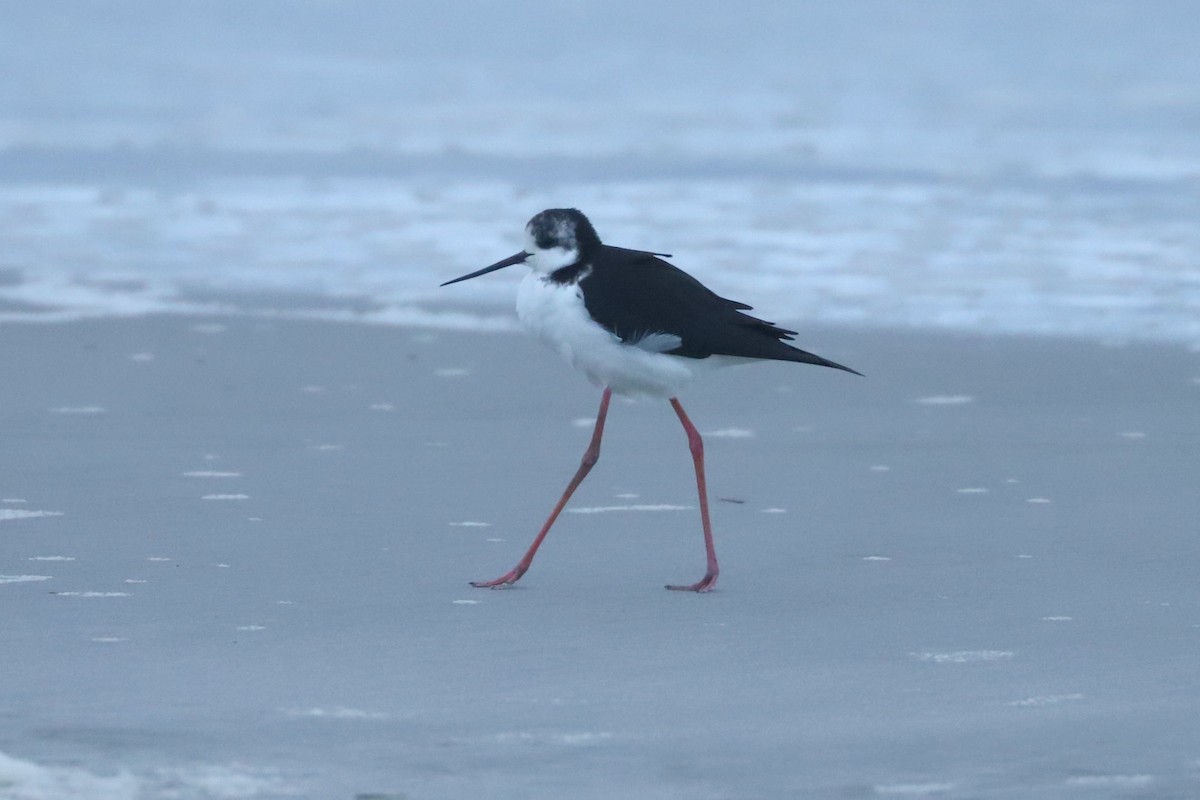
(634, 294)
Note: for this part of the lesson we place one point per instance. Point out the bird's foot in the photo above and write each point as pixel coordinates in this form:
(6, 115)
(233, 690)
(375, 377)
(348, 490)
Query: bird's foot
(705, 584)
(507, 579)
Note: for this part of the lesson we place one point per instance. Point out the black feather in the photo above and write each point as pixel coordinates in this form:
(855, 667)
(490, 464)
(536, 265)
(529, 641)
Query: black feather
(632, 292)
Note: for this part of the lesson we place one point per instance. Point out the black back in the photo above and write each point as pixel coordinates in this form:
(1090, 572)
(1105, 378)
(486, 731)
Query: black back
(633, 294)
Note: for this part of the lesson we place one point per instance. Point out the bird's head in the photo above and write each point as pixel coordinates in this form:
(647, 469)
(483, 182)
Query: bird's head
(554, 238)
(559, 237)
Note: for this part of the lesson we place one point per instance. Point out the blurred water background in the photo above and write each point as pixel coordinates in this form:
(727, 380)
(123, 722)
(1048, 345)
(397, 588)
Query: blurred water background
(1023, 167)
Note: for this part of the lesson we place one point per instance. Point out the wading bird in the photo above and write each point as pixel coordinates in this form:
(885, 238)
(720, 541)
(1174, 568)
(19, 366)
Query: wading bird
(633, 324)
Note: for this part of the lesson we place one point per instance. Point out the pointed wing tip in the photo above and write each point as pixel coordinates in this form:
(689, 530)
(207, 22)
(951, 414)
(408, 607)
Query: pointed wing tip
(827, 363)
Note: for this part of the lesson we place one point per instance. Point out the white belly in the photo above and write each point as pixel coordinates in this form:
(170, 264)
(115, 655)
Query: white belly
(556, 314)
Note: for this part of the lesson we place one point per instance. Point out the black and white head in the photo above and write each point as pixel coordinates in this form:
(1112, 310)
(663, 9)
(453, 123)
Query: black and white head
(554, 238)
(559, 237)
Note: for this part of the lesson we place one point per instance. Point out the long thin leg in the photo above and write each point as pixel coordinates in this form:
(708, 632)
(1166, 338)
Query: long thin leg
(590, 457)
(696, 445)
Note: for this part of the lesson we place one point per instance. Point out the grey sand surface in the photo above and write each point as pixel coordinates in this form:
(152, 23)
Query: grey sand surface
(972, 573)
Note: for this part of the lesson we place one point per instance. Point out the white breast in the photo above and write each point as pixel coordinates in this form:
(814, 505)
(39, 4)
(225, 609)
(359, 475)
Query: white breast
(556, 314)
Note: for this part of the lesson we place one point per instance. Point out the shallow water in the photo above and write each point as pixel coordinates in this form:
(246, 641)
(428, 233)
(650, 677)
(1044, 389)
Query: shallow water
(1018, 167)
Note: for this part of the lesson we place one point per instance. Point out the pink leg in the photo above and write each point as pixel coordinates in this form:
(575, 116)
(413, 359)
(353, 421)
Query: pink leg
(590, 457)
(696, 445)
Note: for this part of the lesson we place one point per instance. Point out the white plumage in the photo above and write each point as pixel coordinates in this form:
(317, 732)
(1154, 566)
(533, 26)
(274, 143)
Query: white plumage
(556, 314)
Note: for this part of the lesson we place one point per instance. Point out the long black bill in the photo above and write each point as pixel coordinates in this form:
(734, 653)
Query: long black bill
(508, 262)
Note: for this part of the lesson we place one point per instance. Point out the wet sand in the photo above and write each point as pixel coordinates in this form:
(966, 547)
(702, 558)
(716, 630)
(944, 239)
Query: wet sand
(236, 551)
